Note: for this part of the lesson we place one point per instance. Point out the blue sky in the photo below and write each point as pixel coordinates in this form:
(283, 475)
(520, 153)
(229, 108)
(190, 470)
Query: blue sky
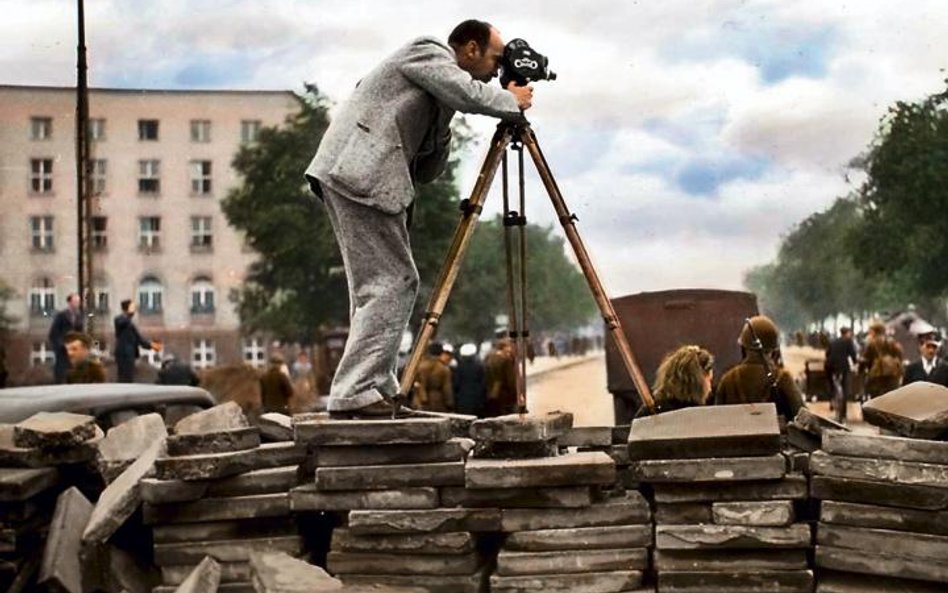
(687, 135)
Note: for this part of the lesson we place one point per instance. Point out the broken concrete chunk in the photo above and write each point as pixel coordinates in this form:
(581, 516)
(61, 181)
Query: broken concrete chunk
(325, 432)
(885, 447)
(205, 578)
(570, 561)
(817, 425)
(275, 426)
(22, 484)
(124, 443)
(522, 428)
(436, 520)
(774, 513)
(594, 467)
(720, 469)
(388, 477)
(917, 410)
(120, 498)
(222, 441)
(13, 456)
(61, 569)
(278, 572)
(309, 498)
(692, 537)
(222, 417)
(710, 431)
(54, 429)
(587, 436)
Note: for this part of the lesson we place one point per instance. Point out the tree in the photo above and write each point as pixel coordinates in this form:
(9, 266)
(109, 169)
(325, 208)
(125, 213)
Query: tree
(7, 321)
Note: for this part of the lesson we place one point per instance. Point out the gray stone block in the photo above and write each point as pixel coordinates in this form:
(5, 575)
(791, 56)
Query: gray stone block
(883, 541)
(735, 537)
(262, 481)
(209, 466)
(817, 425)
(277, 572)
(847, 582)
(522, 428)
(121, 498)
(308, 498)
(884, 517)
(729, 561)
(237, 572)
(883, 493)
(205, 578)
(155, 491)
(436, 520)
(125, 442)
(720, 469)
(918, 410)
(875, 447)
(547, 498)
(223, 441)
(224, 530)
(881, 470)
(708, 431)
(683, 513)
(54, 430)
(792, 487)
(22, 484)
(275, 427)
(13, 456)
(389, 477)
(566, 470)
(325, 432)
(801, 439)
(452, 450)
(629, 509)
(278, 455)
(237, 550)
(783, 581)
(380, 563)
(460, 423)
(510, 563)
(580, 538)
(594, 582)
(474, 583)
(61, 569)
(863, 562)
(222, 417)
(219, 509)
(221, 588)
(587, 436)
(775, 513)
(505, 450)
(410, 543)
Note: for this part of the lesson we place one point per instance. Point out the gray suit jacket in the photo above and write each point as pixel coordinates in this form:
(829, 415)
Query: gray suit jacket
(395, 128)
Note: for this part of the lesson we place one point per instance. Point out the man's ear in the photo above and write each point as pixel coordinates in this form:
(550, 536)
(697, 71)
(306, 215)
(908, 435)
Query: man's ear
(472, 49)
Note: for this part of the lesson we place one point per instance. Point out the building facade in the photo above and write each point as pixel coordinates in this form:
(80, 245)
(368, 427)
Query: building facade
(162, 165)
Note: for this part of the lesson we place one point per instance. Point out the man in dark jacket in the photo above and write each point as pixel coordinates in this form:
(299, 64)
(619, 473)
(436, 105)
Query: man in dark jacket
(128, 342)
(470, 384)
(840, 358)
(176, 372)
(83, 367)
(749, 382)
(66, 321)
(924, 369)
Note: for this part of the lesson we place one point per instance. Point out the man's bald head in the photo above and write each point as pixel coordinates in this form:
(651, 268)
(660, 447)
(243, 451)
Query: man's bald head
(479, 48)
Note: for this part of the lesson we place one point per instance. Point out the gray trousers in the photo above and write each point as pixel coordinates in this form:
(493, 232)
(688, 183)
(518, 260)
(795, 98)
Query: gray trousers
(383, 284)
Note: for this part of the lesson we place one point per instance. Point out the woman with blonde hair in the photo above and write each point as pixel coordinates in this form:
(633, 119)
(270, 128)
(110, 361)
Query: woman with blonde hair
(683, 380)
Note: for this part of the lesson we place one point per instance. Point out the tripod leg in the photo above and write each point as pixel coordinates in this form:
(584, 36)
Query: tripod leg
(523, 335)
(514, 329)
(471, 210)
(585, 263)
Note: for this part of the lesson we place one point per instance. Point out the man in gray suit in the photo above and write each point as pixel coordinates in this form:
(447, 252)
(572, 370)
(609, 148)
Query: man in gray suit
(394, 132)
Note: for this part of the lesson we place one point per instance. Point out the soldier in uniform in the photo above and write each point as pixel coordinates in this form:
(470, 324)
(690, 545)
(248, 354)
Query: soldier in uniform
(83, 368)
(500, 372)
(881, 361)
(434, 390)
(759, 378)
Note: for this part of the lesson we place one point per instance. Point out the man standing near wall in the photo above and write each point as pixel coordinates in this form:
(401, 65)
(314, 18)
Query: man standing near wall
(394, 132)
(66, 321)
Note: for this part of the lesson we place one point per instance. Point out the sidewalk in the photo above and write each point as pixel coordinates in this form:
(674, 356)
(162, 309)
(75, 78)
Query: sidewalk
(547, 364)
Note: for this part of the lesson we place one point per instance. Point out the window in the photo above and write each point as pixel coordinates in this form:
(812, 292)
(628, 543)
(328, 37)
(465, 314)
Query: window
(41, 230)
(201, 177)
(148, 129)
(149, 176)
(200, 130)
(41, 128)
(97, 129)
(41, 176)
(203, 353)
(201, 237)
(255, 354)
(249, 130)
(149, 296)
(202, 296)
(153, 358)
(97, 172)
(149, 233)
(41, 355)
(101, 304)
(42, 297)
(98, 234)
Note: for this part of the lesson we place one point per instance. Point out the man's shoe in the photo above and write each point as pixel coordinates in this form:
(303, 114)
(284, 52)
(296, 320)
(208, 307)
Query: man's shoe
(380, 410)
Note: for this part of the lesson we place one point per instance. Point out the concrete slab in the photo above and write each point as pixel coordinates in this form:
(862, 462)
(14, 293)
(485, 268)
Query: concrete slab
(237, 550)
(880, 470)
(275, 427)
(307, 498)
(13, 456)
(847, 582)
(566, 470)
(474, 583)
(54, 430)
(874, 563)
(412, 543)
(917, 410)
(124, 443)
(222, 417)
(883, 541)
(884, 517)
(545, 498)
(683, 513)
(735, 537)
(436, 520)
(729, 561)
(389, 477)
(20, 484)
(587, 436)
(222, 441)
(406, 564)
(580, 538)
(791, 487)
(208, 466)
(522, 428)
(884, 493)
(275, 572)
(452, 450)
(61, 569)
(783, 581)
(224, 530)
(326, 432)
(773, 513)
(886, 447)
(720, 469)
(205, 578)
(595, 582)
(629, 509)
(577, 561)
(219, 509)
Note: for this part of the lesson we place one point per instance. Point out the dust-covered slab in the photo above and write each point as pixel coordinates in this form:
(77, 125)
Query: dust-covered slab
(562, 497)
(594, 467)
(522, 428)
(580, 538)
(885, 447)
(309, 498)
(782, 581)
(381, 563)
(53, 430)
(719, 469)
(917, 410)
(629, 509)
(592, 582)
(729, 561)
(388, 477)
(409, 543)
(792, 487)
(455, 449)
(322, 431)
(277, 572)
(774, 513)
(61, 569)
(435, 520)
(883, 541)
(883, 493)
(707, 431)
(124, 443)
(884, 517)
(911, 473)
(862, 562)
(578, 561)
(692, 537)
(848, 582)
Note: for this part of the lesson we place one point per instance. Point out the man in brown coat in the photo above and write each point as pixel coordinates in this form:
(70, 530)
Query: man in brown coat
(881, 361)
(434, 389)
(83, 368)
(501, 376)
(748, 382)
(275, 387)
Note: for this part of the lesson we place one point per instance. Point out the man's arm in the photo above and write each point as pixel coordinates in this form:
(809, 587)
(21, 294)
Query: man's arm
(432, 66)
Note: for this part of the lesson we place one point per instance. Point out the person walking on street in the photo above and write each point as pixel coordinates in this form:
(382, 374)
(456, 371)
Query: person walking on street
(881, 361)
(129, 342)
(66, 321)
(925, 368)
(83, 367)
(840, 359)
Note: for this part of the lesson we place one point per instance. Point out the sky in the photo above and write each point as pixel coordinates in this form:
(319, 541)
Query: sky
(687, 136)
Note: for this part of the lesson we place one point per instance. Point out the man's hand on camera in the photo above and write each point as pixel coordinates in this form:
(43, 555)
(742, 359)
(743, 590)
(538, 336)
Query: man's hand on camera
(524, 94)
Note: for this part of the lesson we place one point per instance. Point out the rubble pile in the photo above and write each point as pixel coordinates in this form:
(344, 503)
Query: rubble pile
(217, 491)
(37, 458)
(725, 504)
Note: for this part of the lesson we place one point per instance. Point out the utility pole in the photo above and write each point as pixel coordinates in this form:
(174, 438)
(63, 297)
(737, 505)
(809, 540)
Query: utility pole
(83, 178)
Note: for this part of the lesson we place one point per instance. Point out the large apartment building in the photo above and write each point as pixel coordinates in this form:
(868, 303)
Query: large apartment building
(162, 165)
